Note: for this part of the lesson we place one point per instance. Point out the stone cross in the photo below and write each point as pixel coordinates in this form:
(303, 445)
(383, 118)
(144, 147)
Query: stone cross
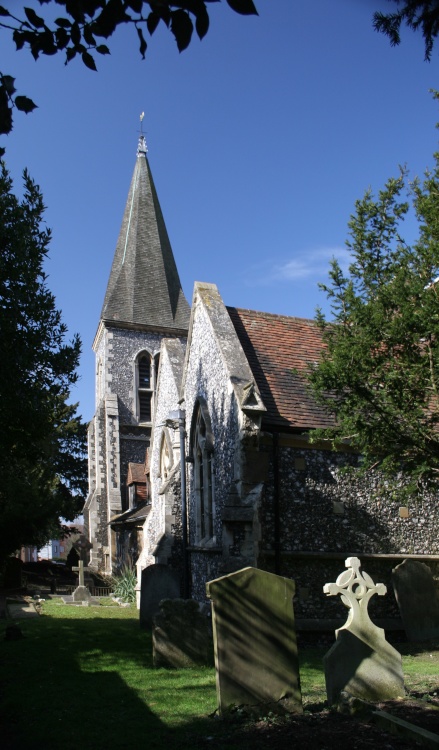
(356, 589)
(80, 568)
(82, 546)
(360, 662)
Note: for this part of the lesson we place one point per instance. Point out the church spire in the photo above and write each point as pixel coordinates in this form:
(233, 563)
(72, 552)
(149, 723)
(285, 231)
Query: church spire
(144, 287)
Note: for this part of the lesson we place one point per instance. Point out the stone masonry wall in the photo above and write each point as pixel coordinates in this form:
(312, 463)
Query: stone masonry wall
(207, 376)
(122, 350)
(167, 400)
(323, 510)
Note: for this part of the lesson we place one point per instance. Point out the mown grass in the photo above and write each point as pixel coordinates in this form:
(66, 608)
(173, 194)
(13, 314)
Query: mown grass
(83, 677)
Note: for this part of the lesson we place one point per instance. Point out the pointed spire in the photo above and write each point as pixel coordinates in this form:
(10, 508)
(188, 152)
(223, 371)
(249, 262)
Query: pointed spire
(144, 286)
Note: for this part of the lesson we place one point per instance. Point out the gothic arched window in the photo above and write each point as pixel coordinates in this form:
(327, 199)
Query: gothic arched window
(144, 387)
(202, 455)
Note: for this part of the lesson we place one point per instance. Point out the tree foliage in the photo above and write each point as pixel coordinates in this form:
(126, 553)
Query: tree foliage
(85, 26)
(379, 375)
(417, 15)
(42, 440)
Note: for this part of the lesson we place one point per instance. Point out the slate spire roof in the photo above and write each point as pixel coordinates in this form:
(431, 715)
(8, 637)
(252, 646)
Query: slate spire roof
(144, 287)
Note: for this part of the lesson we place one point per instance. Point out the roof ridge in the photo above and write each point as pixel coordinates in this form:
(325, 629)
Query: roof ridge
(263, 313)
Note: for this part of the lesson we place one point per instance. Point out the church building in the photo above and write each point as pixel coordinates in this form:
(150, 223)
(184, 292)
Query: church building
(199, 452)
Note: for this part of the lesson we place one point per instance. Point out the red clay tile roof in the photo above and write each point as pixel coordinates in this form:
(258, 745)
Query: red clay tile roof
(275, 345)
(136, 473)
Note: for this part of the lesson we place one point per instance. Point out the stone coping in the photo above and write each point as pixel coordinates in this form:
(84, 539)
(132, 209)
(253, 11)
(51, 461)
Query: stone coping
(343, 555)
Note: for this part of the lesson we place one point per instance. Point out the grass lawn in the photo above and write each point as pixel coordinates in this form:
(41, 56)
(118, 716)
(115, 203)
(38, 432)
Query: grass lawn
(83, 678)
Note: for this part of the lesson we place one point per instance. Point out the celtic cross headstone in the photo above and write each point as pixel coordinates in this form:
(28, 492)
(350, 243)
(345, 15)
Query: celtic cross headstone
(361, 661)
(82, 546)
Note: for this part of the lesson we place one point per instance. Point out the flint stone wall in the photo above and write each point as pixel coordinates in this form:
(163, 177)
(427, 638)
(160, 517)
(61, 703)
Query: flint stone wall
(125, 347)
(323, 510)
(165, 515)
(206, 376)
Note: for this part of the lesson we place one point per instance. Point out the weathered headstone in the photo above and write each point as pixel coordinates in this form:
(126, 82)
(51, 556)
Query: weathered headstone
(418, 600)
(255, 641)
(181, 635)
(361, 662)
(157, 582)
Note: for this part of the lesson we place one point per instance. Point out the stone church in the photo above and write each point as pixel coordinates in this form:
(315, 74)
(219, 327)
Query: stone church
(199, 452)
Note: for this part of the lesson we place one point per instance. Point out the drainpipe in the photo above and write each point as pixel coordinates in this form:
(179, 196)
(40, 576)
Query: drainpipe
(276, 502)
(178, 418)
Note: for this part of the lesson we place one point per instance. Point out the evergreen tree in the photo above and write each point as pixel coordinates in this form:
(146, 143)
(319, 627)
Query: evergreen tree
(379, 375)
(42, 440)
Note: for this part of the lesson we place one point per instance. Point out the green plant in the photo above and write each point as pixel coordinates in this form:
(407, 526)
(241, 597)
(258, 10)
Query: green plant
(125, 584)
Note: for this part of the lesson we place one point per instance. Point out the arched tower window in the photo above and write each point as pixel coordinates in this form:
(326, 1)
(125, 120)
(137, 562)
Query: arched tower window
(144, 387)
(202, 454)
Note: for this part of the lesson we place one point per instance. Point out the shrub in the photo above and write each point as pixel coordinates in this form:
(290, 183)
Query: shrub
(125, 584)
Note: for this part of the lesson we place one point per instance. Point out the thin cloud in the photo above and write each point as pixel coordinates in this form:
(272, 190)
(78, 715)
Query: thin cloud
(305, 265)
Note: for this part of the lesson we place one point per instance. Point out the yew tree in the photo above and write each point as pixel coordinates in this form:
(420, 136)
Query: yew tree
(42, 439)
(379, 374)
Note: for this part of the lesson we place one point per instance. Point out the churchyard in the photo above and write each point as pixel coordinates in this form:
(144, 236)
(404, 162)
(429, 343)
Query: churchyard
(84, 677)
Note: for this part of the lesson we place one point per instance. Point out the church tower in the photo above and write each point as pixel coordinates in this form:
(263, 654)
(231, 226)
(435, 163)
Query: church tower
(143, 304)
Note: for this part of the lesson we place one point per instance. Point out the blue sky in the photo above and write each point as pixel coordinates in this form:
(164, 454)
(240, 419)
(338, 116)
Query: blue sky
(261, 137)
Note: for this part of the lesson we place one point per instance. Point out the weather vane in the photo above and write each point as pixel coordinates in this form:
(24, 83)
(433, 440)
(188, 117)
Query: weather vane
(142, 147)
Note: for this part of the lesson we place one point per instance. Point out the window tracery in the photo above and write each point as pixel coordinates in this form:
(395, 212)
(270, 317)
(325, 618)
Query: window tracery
(202, 454)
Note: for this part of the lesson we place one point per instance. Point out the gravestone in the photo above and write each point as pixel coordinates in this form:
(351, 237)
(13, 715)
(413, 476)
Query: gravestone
(418, 600)
(82, 546)
(255, 641)
(81, 594)
(361, 662)
(157, 582)
(182, 635)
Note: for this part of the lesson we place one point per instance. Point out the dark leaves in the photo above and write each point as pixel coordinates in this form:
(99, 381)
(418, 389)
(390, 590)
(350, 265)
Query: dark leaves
(244, 7)
(76, 34)
(152, 22)
(33, 18)
(135, 5)
(63, 22)
(182, 28)
(202, 22)
(88, 61)
(143, 45)
(112, 15)
(8, 83)
(5, 112)
(24, 104)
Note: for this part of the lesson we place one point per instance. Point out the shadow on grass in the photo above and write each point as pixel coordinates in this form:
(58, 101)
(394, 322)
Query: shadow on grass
(89, 683)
